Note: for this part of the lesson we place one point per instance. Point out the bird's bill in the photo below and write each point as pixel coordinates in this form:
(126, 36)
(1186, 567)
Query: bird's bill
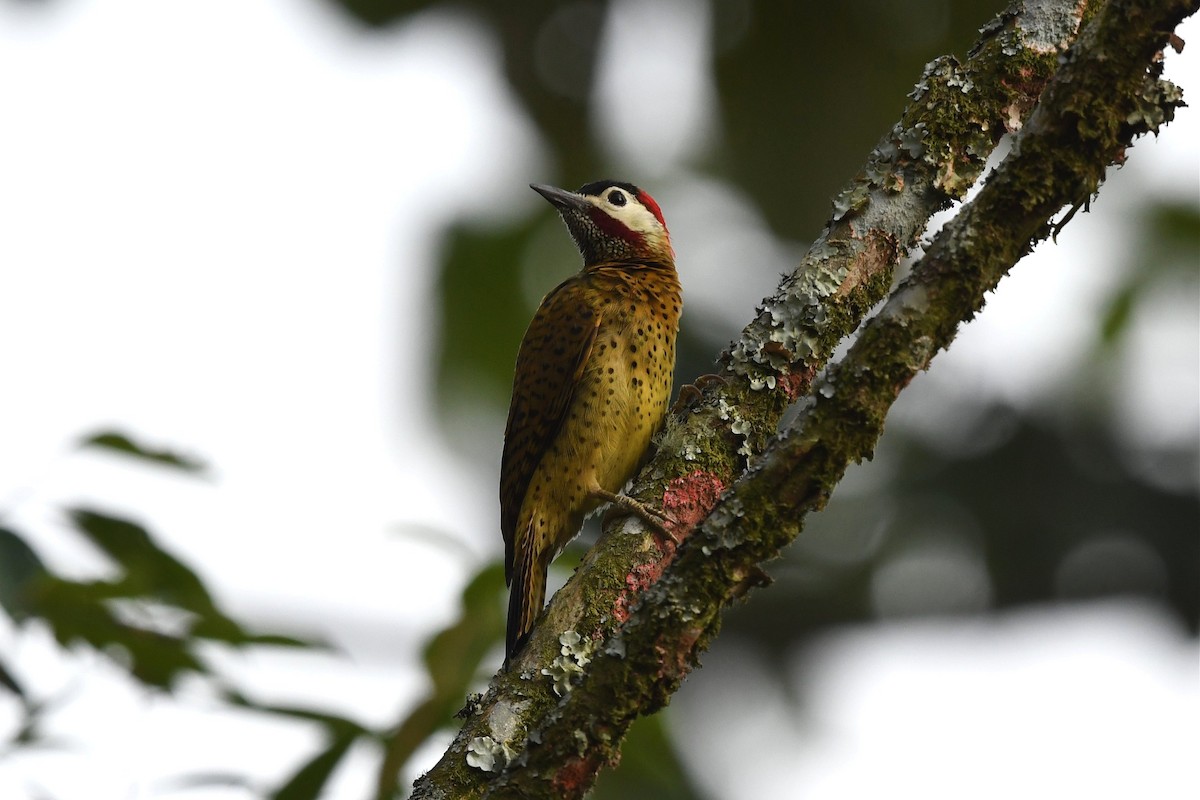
(561, 198)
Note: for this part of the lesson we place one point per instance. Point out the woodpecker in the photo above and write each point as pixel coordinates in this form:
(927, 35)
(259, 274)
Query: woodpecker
(592, 383)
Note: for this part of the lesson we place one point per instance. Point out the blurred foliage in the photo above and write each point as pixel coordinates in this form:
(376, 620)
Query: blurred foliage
(1169, 248)
(479, 353)
(153, 619)
(453, 659)
(550, 50)
(805, 89)
(156, 616)
(308, 782)
(649, 767)
(1032, 513)
(120, 443)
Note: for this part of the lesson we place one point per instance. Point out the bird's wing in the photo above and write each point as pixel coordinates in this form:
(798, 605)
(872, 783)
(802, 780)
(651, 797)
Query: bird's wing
(549, 364)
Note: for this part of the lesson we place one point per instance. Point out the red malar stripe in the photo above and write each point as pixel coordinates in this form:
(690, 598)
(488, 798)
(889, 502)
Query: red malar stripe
(614, 227)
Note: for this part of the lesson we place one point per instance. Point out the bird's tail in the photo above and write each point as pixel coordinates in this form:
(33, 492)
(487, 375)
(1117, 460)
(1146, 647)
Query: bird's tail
(526, 596)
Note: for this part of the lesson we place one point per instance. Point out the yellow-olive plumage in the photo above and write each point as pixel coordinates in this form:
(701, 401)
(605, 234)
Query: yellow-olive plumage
(592, 384)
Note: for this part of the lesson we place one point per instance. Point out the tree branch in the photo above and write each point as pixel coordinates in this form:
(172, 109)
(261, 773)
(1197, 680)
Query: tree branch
(617, 640)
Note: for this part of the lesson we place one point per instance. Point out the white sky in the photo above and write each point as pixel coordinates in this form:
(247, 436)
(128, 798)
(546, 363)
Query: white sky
(218, 224)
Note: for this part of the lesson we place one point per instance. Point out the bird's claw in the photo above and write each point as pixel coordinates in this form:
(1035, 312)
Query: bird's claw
(692, 393)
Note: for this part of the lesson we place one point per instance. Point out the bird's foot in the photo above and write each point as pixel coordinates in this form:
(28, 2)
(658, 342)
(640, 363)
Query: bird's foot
(619, 504)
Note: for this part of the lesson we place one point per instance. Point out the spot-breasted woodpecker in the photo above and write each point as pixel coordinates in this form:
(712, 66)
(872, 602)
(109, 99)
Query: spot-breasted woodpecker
(592, 384)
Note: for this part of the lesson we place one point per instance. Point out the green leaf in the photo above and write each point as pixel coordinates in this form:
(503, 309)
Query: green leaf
(149, 570)
(1169, 234)
(155, 659)
(119, 442)
(9, 681)
(1119, 312)
(219, 628)
(312, 777)
(377, 13)
(335, 723)
(452, 660)
(1175, 225)
(649, 767)
(29, 733)
(208, 780)
(20, 569)
(452, 657)
(83, 612)
(280, 640)
(482, 315)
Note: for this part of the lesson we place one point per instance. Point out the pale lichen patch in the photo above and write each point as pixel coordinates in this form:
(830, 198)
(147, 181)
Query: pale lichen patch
(485, 753)
(574, 655)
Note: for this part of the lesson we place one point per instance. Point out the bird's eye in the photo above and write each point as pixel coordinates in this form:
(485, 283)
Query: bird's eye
(616, 197)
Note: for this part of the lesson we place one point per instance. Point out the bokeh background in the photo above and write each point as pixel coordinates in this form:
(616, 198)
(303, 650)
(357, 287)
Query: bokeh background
(292, 239)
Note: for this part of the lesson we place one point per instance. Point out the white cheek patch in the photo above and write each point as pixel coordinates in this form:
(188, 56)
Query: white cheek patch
(636, 217)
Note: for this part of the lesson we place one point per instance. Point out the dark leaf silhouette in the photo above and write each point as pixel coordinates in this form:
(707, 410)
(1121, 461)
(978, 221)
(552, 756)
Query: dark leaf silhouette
(120, 443)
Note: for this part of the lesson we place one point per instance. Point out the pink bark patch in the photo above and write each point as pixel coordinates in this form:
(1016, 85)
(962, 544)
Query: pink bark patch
(792, 384)
(639, 579)
(576, 775)
(688, 500)
(675, 661)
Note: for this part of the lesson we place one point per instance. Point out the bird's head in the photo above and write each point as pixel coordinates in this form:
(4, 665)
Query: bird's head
(612, 221)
